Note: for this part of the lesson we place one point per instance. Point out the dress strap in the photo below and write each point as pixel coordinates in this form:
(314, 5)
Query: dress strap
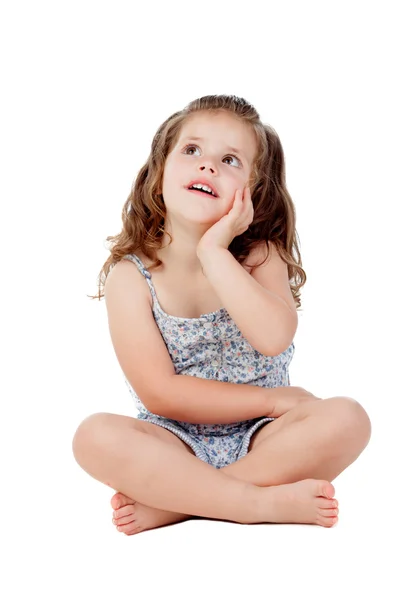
(134, 258)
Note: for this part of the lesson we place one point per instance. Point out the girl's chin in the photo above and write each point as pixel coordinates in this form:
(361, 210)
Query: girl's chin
(202, 216)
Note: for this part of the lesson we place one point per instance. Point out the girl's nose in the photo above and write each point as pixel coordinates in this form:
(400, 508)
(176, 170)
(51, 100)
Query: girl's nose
(208, 166)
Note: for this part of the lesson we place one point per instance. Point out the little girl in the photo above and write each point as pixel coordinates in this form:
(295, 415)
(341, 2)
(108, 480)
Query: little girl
(202, 291)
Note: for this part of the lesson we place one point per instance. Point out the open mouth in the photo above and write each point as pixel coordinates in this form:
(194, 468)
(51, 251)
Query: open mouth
(201, 192)
(203, 187)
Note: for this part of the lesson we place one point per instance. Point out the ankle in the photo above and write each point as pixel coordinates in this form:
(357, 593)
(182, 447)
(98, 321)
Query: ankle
(257, 504)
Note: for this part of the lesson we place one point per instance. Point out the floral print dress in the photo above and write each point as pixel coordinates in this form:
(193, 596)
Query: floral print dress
(212, 347)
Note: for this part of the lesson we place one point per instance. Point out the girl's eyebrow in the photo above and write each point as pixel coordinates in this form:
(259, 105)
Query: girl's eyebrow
(199, 139)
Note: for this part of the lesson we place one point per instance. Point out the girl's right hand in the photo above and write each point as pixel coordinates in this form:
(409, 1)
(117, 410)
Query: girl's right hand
(284, 398)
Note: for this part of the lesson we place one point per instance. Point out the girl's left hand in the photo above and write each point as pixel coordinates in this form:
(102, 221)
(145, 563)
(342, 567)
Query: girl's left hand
(232, 224)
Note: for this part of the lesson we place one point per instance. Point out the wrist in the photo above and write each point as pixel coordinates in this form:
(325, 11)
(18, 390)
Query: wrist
(268, 399)
(208, 252)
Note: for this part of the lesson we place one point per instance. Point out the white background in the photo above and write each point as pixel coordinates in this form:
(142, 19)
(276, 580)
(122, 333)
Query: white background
(85, 86)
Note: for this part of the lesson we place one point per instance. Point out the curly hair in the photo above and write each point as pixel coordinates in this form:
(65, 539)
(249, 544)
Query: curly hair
(274, 221)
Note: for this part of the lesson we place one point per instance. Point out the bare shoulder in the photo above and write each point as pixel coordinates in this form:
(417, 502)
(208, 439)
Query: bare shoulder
(125, 276)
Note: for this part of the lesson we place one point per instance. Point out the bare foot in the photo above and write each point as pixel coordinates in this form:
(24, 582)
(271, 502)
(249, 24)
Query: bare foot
(308, 501)
(131, 517)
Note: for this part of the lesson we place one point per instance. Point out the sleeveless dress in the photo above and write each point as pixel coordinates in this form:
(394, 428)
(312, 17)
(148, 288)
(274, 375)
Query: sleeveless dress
(212, 347)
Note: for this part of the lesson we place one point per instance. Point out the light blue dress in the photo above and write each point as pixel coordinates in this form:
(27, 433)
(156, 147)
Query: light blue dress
(212, 347)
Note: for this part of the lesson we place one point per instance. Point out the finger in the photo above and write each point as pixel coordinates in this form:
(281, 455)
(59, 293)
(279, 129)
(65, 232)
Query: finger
(234, 201)
(238, 201)
(248, 201)
(250, 211)
(246, 216)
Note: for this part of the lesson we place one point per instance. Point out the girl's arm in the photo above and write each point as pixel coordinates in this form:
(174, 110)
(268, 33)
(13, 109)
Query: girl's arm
(198, 400)
(261, 303)
(146, 363)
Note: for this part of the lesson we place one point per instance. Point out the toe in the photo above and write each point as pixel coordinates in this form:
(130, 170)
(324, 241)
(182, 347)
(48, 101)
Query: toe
(134, 531)
(325, 489)
(326, 503)
(331, 522)
(328, 489)
(125, 511)
(128, 528)
(124, 520)
(118, 500)
(328, 512)
(326, 521)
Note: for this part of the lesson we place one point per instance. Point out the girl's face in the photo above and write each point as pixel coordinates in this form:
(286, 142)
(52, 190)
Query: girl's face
(222, 158)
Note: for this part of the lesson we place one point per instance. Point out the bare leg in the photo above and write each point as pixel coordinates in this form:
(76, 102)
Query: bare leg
(319, 440)
(131, 517)
(158, 475)
(162, 476)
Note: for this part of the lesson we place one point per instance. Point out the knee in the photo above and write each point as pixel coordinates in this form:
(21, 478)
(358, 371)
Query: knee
(352, 420)
(90, 436)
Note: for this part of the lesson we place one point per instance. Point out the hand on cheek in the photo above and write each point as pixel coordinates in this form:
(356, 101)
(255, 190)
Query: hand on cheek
(232, 224)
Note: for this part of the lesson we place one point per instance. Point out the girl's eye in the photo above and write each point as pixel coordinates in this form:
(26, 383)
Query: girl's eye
(187, 148)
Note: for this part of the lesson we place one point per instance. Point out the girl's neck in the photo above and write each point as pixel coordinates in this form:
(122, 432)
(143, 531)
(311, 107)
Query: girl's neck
(180, 254)
(180, 257)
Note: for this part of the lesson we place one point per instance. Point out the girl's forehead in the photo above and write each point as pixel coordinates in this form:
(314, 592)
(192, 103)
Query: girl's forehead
(215, 123)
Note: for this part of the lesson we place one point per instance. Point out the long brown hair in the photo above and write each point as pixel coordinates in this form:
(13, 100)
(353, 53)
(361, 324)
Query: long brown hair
(143, 214)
